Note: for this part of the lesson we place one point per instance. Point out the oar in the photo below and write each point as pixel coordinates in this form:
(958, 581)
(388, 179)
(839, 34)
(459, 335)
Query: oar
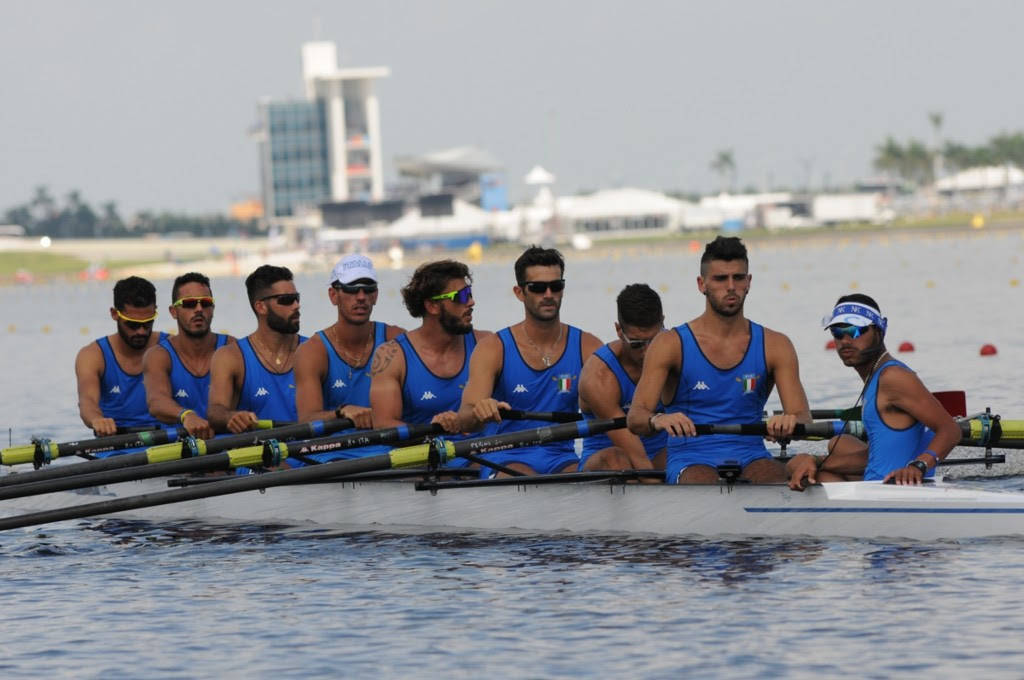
(237, 457)
(819, 430)
(403, 457)
(189, 447)
(549, 416)
(42, 451)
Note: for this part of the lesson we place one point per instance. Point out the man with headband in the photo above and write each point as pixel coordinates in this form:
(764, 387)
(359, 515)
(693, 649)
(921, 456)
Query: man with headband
(909, 431)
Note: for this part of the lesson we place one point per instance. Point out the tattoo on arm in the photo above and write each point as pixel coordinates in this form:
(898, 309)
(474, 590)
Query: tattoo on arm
(383, 357)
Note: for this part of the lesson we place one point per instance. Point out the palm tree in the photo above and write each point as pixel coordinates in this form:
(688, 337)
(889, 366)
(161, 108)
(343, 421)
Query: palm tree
(724, 164)
(936, 119)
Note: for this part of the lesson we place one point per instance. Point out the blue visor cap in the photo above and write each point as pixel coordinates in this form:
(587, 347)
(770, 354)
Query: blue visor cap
(855, 314)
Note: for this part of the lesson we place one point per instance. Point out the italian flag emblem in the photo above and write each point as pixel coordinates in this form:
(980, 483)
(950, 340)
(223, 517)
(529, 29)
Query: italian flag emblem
(564, 383)
(749, 382)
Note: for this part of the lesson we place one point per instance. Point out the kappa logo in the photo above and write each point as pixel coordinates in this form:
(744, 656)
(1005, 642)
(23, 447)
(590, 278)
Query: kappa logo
(427, 395)
(701, 385)
(520, 389)
(181, 394)
(116, 389)
(261, 392)
(339, 383)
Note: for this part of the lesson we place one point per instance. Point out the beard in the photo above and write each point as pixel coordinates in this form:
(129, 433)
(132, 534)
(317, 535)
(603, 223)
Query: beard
(134, 341)
(722, 310)
(201, 333)
(282, 324)
(454, 325)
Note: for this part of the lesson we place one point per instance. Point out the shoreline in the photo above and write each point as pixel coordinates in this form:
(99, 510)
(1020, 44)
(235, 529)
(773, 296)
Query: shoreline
(161, 259)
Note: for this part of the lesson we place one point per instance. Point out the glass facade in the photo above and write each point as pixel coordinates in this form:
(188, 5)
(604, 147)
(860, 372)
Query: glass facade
(299, 172)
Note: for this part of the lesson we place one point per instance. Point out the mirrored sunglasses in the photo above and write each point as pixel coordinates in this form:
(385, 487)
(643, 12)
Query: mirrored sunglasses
(840, 332)
(461, 296)
(190, 302)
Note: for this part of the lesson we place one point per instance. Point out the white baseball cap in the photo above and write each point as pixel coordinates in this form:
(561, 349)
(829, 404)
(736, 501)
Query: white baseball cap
(352, 268)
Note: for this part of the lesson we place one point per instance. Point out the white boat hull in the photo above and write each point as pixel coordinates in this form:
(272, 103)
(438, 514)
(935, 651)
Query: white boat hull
(849, 509)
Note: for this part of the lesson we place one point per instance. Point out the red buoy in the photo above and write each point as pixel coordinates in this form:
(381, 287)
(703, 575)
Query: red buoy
(831, 344)
(906, 346)
(987, 350)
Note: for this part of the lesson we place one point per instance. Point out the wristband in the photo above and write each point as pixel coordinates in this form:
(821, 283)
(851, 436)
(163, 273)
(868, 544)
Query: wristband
(920, 465)
(337, 411)
(650, 421)
(929, 452)
(184, 412)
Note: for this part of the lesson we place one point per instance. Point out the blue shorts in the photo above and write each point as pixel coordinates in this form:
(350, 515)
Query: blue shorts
(543, 460)
(674, 465)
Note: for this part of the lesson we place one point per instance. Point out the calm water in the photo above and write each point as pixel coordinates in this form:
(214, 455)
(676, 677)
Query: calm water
(111, 598)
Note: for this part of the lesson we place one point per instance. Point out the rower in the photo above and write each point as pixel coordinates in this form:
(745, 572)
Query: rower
(109, 370)
(908, 429)
(177, 370)
(419, 376)
(719, 367)
(608, 382)
(253, 379)
(332, 370)
(532, 365)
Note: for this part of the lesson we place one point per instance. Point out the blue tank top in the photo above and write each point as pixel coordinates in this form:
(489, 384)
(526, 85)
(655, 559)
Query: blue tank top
(708, 394)
(425, 394)
(122, 394)
(267, 394)
(188, 389)
(345, 384)
(552, 389)
(888, 448)
(594, 443)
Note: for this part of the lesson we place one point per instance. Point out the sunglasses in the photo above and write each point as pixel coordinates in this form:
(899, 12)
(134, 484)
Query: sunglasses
(368, 288)
(191, 302)
(636, 344)
(136, 324)
(283, 299)
(538, 287)
(840, 332)
(461, 296)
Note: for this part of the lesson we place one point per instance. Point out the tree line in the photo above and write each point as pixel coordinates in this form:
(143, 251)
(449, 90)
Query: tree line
(43, 215)
(919, 164)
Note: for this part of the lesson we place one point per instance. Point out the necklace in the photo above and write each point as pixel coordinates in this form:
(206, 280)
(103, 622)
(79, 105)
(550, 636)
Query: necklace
(878, 362)
(544, 356)
(357, 361)
(265, 353)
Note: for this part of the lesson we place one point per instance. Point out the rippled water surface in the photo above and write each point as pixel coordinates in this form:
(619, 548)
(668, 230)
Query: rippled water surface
(113, 598)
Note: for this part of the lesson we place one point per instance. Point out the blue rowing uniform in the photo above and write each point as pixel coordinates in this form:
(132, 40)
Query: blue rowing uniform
(888, 448)
(345, 384)
(425, 394)
(270, 395)
(554, 388)
(594, 443)
(188, 389)
(708, 394)
(122, 394)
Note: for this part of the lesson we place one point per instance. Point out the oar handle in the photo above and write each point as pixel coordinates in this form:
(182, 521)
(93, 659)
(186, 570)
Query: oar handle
(820, 430)
(548, 416)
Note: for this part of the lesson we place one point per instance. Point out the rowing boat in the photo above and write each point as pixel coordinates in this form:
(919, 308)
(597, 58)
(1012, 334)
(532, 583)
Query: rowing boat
(592, 505)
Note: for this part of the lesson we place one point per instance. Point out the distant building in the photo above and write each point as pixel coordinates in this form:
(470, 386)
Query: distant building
(326, 147)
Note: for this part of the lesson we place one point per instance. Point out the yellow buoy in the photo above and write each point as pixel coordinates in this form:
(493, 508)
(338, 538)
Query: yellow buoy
(1014, 283)
(84, 330)
(929, 284)
(11, 328)
(46, 328)
(978, 221)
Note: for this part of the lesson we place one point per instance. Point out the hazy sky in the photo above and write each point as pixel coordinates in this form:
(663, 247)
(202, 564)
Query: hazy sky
(148, 103)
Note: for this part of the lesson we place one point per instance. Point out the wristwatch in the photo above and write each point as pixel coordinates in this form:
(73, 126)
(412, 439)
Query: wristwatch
(920, 465)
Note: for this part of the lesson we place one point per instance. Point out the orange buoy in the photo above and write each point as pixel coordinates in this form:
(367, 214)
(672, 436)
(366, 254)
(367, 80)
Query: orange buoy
(831, 344)
(906, 346)
(987, 350)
